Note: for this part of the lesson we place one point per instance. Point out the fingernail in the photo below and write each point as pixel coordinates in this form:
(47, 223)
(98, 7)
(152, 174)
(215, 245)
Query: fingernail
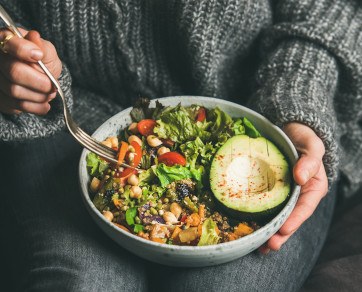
(266, 251)
(52, 96)
(36, 55)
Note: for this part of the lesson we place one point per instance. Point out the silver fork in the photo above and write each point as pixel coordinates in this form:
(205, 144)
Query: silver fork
(82, 137)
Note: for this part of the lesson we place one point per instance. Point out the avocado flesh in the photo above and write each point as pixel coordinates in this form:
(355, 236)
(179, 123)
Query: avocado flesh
(250, 178)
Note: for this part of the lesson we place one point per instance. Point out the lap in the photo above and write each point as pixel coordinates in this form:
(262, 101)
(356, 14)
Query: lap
(285, 270)
(58, 247)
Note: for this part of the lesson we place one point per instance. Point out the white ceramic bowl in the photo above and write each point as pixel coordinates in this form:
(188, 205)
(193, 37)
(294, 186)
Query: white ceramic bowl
(192, 256)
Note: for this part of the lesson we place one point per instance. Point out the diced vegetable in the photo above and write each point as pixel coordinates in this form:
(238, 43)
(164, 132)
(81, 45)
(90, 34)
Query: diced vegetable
(209, 234)
(122, 152)
(188, 235)
(243, 230)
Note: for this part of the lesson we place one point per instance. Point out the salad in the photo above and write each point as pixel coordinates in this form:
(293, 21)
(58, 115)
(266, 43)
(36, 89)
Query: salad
(170, 201)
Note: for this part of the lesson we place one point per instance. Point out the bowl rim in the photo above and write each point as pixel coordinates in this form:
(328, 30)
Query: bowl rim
(294, 194)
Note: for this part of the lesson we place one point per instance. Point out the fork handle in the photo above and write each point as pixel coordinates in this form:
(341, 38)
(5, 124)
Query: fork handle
(10, 24)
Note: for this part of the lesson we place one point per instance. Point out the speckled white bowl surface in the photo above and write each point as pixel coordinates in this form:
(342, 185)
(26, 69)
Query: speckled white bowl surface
(192, 256)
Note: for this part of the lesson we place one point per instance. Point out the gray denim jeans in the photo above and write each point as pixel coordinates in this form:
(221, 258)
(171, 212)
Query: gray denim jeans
(49, 242)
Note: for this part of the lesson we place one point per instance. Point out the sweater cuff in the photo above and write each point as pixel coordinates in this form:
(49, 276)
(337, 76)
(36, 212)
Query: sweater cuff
(297, 83)
(29, 126)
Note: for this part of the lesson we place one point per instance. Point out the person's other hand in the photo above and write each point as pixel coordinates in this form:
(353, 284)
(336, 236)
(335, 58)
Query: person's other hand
(24, 87)
(308, 172)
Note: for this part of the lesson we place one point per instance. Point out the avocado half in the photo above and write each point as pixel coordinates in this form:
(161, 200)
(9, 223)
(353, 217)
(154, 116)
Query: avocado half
(250, 178)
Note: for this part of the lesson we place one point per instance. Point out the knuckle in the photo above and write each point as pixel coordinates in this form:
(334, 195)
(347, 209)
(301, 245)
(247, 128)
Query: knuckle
(14, 90)
(44, 84)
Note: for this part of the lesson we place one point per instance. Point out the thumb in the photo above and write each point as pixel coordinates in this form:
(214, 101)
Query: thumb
(306, 168)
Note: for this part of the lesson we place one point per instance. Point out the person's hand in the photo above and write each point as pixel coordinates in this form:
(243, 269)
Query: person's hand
(24, 87)
(308, 172)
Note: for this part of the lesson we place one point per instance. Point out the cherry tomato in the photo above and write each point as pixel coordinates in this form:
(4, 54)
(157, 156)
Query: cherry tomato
(145, 127)
(127, 173)
(172, 158)
(201, 115)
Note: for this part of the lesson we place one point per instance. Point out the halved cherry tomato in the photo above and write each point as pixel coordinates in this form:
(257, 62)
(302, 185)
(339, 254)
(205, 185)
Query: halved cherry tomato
(201, 115)
(127, 173)
(122, 151)
(145, 127)
(172, 158)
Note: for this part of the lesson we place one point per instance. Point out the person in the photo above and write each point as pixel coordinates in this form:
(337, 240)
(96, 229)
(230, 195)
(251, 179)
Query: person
(296, 62)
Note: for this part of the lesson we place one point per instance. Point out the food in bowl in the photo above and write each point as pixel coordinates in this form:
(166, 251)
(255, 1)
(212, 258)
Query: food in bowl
(202, 169)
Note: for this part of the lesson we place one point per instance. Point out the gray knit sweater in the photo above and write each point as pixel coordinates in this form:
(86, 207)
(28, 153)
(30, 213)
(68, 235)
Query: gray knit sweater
(290, 60)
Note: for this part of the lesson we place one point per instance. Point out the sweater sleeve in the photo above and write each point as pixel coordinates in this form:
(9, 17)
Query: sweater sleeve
(310, 48)
(29, 126)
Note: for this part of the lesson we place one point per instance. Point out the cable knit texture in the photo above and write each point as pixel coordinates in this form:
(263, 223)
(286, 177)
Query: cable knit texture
(290, 60)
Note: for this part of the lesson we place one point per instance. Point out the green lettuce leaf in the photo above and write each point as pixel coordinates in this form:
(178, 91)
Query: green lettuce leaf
(192, 150)
(250, 130)
(208, 235)
(221, 124)
(168, 174)
(238, 127)
(147, 177)
(95, 165)
(130, 215)
(176, 124)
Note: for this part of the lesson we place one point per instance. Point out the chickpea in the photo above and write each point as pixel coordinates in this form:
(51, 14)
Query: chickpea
(135, 192)
(133, 180)
(135, 139)
(114, 141)
(107, 143)
(163, 150)
(131, 157)
(95, 184)
(176, 209)
(153, 141)
(108, 215)
(133, 128)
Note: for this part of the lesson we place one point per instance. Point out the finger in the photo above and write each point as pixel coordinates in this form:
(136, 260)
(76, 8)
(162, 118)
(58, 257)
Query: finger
(306, 168)
(264, 249)
(308, 201)
(25, 106)
(20, 48)
(24, 75)
(20, 92)
(276, 241)
(306, 205)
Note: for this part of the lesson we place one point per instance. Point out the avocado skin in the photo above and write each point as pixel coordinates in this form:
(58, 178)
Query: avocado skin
(258, 217)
